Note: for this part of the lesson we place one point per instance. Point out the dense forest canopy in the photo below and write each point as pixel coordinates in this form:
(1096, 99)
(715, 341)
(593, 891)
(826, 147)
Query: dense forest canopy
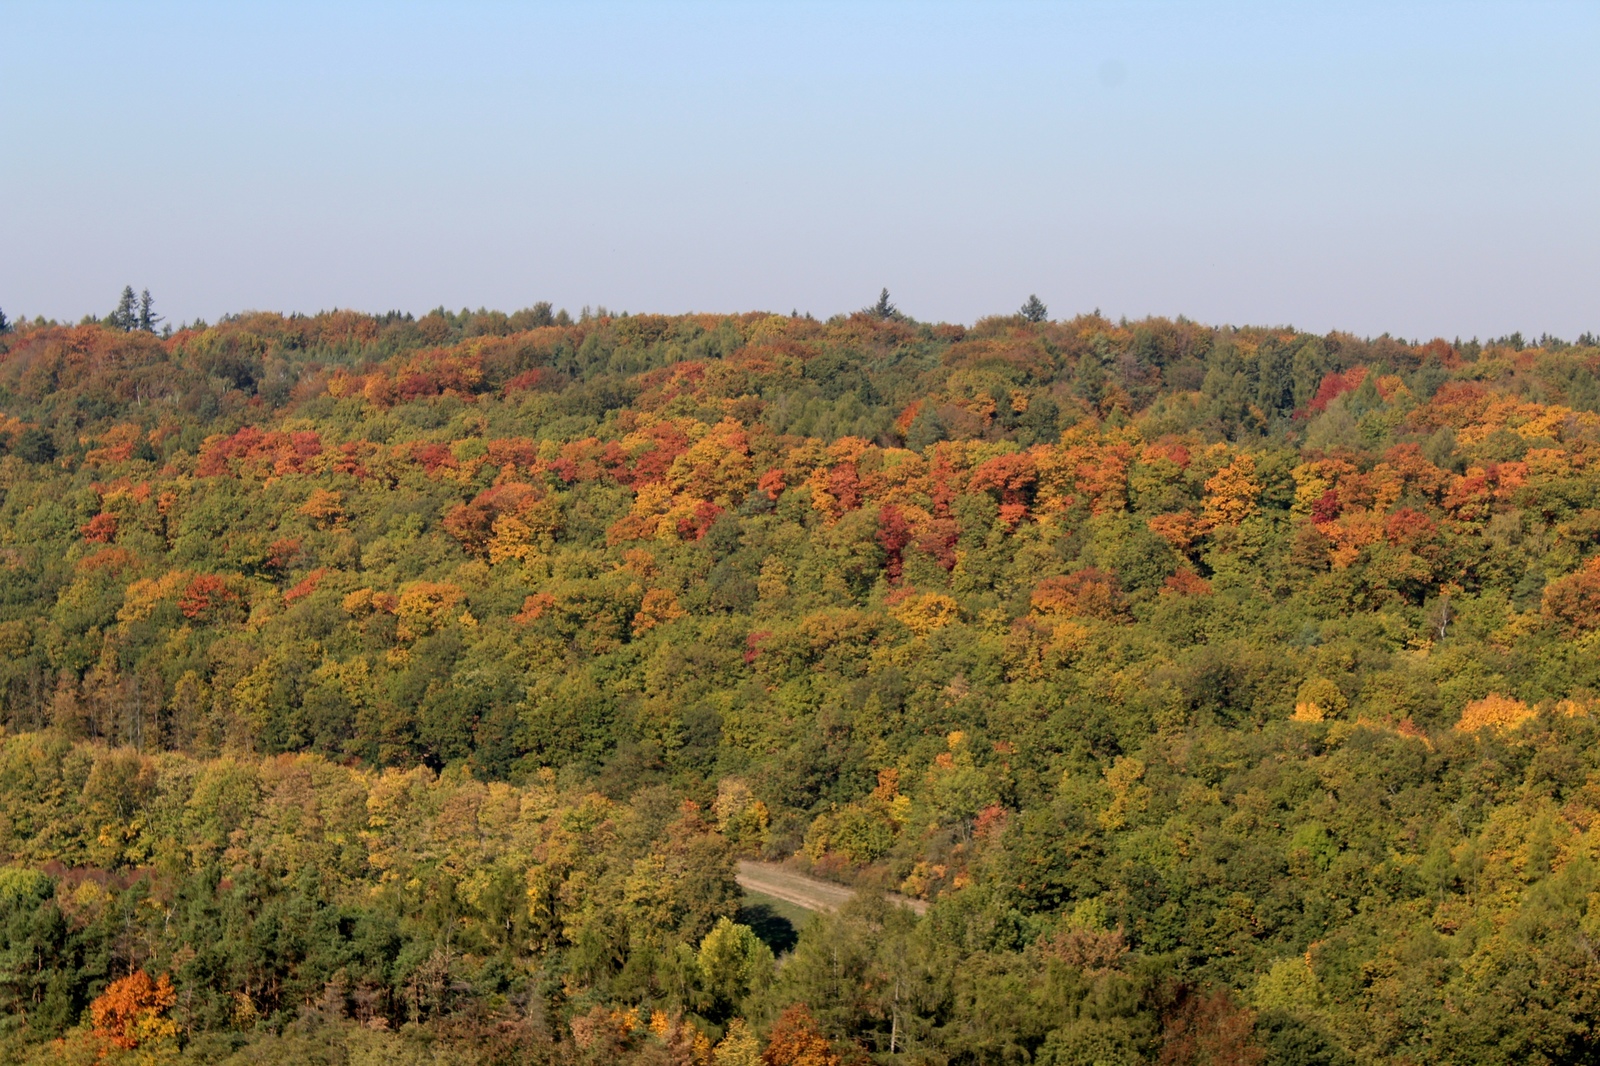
(380, 688)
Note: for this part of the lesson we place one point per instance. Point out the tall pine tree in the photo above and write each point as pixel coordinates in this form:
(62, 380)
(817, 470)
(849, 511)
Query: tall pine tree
(126, 314)
(147, 316)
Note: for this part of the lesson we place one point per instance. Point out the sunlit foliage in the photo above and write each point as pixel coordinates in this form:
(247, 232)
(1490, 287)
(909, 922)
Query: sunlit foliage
(382, 686)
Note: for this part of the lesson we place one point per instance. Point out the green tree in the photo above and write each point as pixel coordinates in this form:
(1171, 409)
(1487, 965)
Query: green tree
(35, 975)
(147, 319)
(125, 316)
(734, 963)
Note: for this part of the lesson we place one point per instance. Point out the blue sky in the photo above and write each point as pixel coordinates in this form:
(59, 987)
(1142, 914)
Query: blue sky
(1418, 169)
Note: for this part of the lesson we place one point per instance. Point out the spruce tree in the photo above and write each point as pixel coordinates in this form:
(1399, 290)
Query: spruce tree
(1034, 309)
(147, 316)
(126, 314)
(883, 308)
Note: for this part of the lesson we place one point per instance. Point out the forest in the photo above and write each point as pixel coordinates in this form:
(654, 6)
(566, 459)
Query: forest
(396, 689)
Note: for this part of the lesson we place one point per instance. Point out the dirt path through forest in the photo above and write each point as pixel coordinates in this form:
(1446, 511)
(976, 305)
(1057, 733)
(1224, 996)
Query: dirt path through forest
(779, 882)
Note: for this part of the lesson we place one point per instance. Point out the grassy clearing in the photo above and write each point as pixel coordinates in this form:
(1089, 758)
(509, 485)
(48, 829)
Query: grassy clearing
(775, 921)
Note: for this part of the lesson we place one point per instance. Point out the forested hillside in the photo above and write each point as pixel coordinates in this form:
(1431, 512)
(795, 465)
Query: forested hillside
(380, 689)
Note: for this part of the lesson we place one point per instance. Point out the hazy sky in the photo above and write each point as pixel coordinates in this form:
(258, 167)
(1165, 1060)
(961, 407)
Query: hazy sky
(1419, 169)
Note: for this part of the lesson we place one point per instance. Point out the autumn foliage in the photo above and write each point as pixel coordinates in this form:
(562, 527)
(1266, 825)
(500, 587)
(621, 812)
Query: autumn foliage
(1574, 600)
(204, 596)
(796, 1040)
(414, 685)
(129, 1012)
(1493, 712)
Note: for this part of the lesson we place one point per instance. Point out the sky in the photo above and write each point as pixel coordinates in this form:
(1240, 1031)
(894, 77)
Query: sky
(1418, 169)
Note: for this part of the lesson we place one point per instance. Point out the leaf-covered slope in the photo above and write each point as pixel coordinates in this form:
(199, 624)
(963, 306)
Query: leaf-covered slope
(1190, 673)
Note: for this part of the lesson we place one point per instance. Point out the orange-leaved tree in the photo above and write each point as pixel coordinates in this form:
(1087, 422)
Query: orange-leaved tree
(1574, 601)
(129, 1012)
(797, 1040)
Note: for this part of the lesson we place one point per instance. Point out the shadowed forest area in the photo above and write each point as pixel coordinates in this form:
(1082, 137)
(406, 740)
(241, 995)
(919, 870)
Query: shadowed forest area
(394, 689)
